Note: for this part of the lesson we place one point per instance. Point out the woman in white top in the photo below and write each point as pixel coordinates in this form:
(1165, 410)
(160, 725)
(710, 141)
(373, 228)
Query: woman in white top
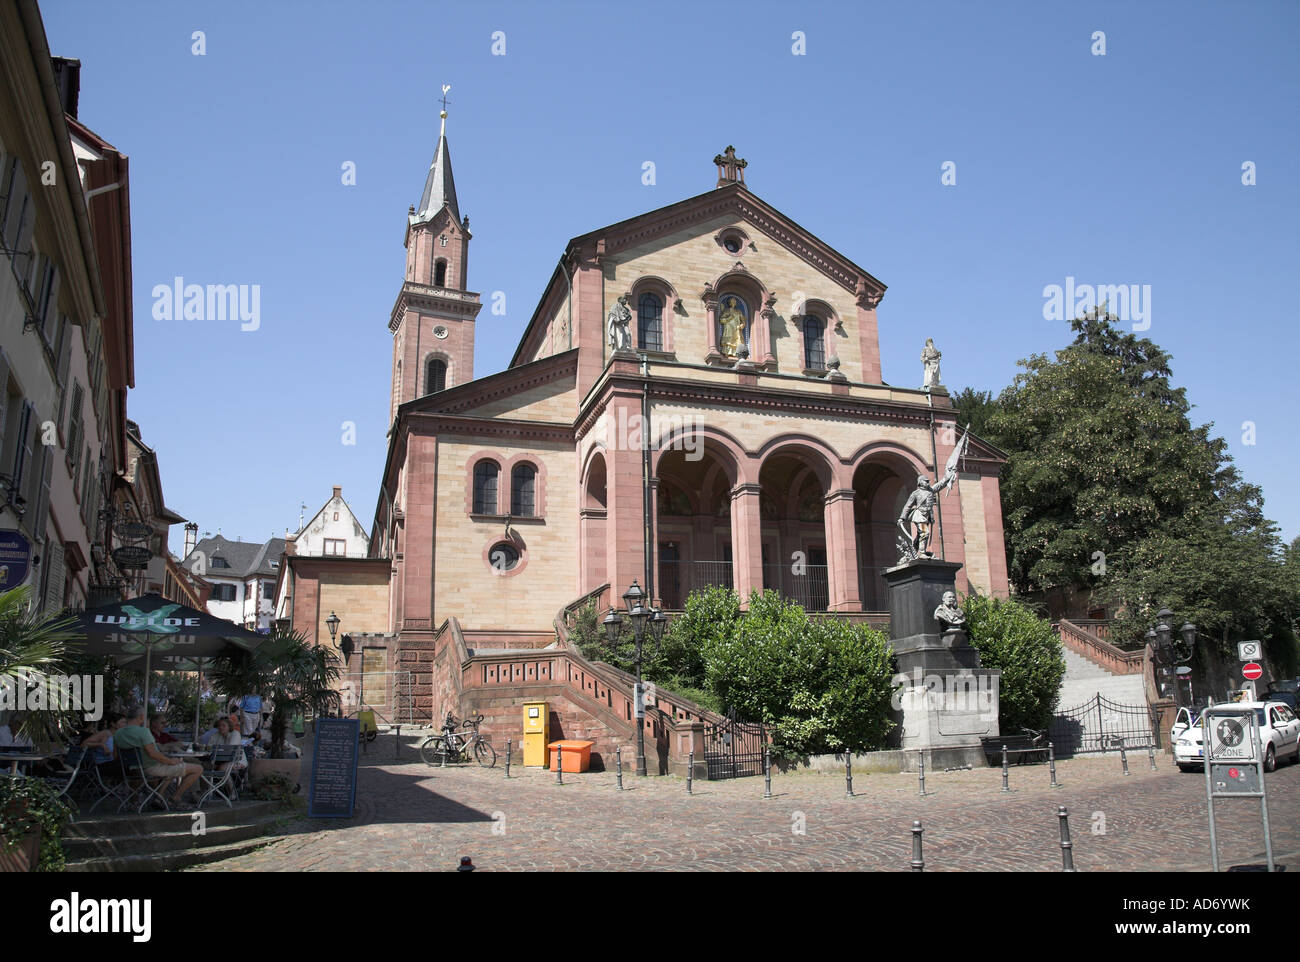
(227, 736)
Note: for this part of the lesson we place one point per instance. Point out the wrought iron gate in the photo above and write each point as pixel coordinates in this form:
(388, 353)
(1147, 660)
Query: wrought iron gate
(1098, 725)
(734, 749)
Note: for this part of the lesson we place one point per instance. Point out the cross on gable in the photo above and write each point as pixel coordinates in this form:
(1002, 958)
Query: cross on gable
(730, 167)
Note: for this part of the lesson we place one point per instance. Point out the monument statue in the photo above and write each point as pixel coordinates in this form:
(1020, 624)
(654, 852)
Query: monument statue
(732, 323)
(949, 614)
(619, 325)
(921, 504)
(930, 356)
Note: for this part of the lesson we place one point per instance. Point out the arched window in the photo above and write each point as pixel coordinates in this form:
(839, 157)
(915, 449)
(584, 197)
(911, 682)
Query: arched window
(523, 487)
(485, 487)
(435, 376)
(814, 343)
(650, 322)
(440, 273)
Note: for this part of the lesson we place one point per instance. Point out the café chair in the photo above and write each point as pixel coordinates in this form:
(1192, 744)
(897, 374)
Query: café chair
(139, 783)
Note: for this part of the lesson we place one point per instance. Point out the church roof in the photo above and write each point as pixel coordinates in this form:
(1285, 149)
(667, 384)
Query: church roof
(439, 188)
(734, 198)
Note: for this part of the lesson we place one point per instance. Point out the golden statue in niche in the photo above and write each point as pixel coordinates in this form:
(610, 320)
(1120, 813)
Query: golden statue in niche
(731, 325)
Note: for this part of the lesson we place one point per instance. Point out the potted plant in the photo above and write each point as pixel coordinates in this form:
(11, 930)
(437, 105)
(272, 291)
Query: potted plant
(298, 678)
(32, 817)
(33, 647)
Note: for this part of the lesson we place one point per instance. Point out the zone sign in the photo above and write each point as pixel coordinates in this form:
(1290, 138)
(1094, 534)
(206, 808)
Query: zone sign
(1230, 739)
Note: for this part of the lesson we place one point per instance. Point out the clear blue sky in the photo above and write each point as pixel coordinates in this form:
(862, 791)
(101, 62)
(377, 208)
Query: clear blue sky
(1123, 168)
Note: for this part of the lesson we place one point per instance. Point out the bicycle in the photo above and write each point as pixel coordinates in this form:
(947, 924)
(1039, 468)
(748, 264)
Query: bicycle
(456, 746)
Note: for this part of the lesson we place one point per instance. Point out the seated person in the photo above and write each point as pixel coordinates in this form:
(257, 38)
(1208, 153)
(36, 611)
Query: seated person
(208, 736)
(11, 736)
(99, 745)
(227, 736)
(161, 735)
(156, 764)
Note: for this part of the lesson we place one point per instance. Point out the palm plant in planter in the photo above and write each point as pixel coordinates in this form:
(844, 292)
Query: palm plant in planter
(34, 647)
(297, 676)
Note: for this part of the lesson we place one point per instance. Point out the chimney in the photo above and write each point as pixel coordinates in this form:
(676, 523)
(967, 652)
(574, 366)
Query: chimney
(191, 537)
(67, 78)
(338, 491)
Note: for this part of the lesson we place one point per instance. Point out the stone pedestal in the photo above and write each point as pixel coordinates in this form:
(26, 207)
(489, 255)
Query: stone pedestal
(947, 701)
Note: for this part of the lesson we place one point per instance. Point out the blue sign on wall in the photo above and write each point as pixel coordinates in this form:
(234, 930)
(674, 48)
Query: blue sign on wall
(15, 557)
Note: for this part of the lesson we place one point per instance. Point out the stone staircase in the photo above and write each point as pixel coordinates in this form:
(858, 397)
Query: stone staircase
(1095, 667)
(164, 841)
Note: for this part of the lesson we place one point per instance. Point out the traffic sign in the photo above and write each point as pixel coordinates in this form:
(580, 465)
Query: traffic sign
(1248, 650)
(1230, 739)
(1252, 671)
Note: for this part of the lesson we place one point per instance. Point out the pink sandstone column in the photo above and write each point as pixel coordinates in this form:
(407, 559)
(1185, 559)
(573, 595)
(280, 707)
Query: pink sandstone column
(746, 540)
(842, 551)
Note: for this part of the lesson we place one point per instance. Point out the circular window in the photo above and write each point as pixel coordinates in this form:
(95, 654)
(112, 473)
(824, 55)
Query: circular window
(440, 332)
(732, 243)
(503, 556)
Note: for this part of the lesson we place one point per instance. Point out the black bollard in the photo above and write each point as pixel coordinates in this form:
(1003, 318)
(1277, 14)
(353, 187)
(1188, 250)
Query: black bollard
(918, 862)
(690, 772)
(1006, 772)
(1051, 763)
(618, 762)
(1067, 847)
(1151, 755)
(848, 775)
(559, 764)
(509, 746)
(767, 772)
(1123, 757)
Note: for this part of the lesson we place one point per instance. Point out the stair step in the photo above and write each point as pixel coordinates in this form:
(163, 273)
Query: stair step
(169, 861)
(119, 846)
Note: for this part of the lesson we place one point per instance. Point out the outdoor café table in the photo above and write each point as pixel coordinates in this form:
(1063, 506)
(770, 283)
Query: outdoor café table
(15, 757)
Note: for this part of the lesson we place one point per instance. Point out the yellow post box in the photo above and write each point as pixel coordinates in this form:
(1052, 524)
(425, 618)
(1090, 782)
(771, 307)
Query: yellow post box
(537, 729)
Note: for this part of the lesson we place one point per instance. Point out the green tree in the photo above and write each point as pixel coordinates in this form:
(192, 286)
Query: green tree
(297, 676)
(975, 408)
(1100, 453)
(1012, 638)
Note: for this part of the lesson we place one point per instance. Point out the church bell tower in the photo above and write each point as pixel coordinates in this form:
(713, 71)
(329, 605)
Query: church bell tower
(433, 319)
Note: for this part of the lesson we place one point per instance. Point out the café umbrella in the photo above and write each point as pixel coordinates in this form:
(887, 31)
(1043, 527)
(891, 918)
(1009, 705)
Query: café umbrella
(153, 628)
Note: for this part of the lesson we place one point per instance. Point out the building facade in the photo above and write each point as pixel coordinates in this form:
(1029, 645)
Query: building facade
(743, 436)
(240, 578)
(65, 326)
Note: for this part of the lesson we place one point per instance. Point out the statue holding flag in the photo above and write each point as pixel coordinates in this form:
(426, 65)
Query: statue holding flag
(921, 505)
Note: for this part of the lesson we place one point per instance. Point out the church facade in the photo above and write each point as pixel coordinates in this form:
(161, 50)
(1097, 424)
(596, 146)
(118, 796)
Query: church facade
(697, 399)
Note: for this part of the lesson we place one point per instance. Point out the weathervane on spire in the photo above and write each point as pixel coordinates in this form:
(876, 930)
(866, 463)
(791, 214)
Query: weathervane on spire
(443, 114)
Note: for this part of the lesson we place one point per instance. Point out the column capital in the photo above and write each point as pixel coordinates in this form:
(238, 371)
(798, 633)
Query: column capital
(746, 488)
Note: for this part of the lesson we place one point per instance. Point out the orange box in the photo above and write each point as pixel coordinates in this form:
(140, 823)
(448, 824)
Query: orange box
(577, 755)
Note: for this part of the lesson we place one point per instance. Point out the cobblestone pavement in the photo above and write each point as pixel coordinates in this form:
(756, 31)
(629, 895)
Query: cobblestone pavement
(410, 817)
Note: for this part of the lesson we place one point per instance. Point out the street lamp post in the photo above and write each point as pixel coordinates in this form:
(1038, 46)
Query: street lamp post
(640, 616)
(1167, 651)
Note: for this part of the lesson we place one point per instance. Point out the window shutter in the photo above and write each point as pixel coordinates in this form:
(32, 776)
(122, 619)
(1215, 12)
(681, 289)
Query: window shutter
(23, 448)
(41, 493)
(20, 224)
(65, 357)
(56, 576)
(49, 309)
(4, 396)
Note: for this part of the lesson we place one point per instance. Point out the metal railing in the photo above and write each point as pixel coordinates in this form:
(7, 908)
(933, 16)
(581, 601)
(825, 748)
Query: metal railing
(677, 579)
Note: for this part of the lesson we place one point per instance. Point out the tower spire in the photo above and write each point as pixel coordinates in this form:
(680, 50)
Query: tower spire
(439, 187)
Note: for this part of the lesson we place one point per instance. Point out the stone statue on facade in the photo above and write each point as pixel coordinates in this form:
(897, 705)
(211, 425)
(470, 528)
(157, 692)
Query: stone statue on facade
(732, 328)
(930, 356)
(619, 325)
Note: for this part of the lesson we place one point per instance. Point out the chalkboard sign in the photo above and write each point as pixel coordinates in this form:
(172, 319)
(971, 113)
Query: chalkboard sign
(334, 768)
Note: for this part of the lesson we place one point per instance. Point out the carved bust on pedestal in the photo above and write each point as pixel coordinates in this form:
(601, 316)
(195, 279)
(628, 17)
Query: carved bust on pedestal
(952, 620)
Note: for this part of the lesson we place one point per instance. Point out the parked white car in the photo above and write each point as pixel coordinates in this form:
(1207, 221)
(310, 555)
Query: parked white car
(1279, 733)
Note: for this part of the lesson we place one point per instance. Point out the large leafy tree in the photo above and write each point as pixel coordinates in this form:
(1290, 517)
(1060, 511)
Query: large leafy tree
(1011, 637)
(975, 408)
(1101, 455)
